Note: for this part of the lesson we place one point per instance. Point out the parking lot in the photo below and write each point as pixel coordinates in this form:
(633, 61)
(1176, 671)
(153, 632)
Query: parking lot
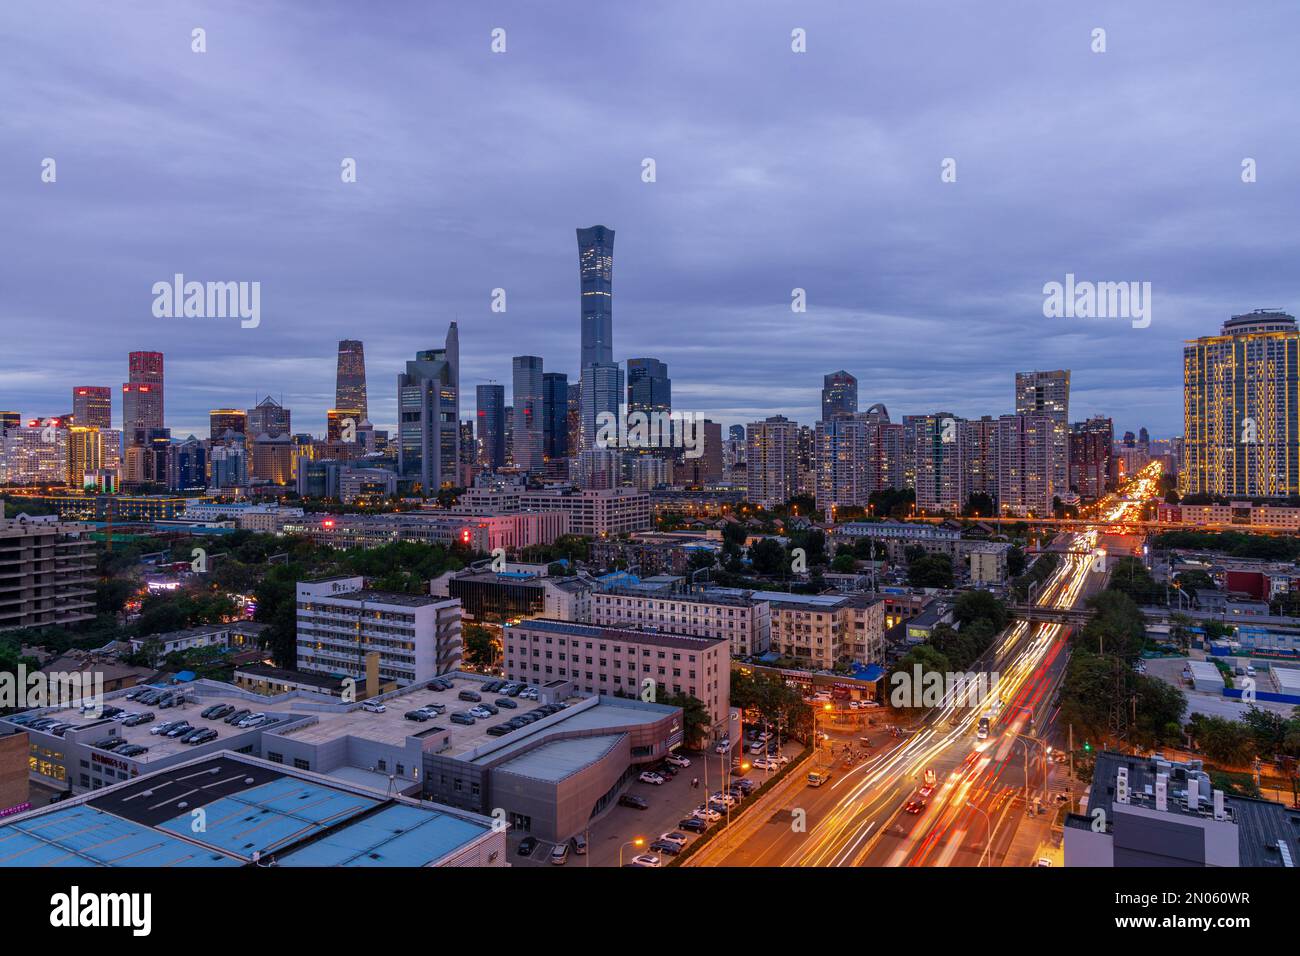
(669, 803)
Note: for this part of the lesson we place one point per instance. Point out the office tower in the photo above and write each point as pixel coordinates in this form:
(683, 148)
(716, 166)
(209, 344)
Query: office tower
(1130, 440)
(269, 418)
(598, 468)
(1144, 439)
(85, 454)
(187, 465)
(1048, 393)
(428, 403)
(490, 416)
(350, 379)
(602, 392)
(92, 406)
(842, 463)
(736, 433)
(142, 397)
(1240, 395)
(939, 473)
(227, 424)
(34, 456)
(772, 453)
(1092, 445)
(229, 466)
(1025, 447)
(596, 287)
(275, 459)
(839, 395)
(649, 389)
(527, 400)
(10, 420)
(980, 457)
(343, 425)
(573, 418)
(468, 452)
(708, 467)
(555, 417)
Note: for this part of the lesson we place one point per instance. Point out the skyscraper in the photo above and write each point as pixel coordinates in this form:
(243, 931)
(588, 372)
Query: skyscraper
(227, 420)
(92, 406)
(428, 416)
(1025, 447)
(839, 395)
(1091, 449)
(596, 287)
(602, 392)
(1240, 400)
(772, 453)
(1048, 393)
(980, 457)
(528, 403)
(490, 419)
(142, 397)
(939, 475)
(350, 381)
(649, 389)
(269, 418)
(555, 417)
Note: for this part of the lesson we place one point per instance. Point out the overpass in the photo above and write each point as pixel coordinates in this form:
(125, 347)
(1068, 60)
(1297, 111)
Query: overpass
(1056, 615)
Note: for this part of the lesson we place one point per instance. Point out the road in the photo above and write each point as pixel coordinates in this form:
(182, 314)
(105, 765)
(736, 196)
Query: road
(860, 817)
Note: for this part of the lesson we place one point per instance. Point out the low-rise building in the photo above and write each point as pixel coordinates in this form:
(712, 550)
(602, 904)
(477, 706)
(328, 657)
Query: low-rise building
(620, 661)
(744, 622)
(508, 595)
(595, 513)
(340, 621)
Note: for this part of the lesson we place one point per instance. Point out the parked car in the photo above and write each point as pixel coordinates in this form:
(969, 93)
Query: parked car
(181, 728)
(724, 798)
(419, 715)
(694, 824)
(471, 696)
(766, 763)
(579, 844)
(204, 736)
(633, 801)
(210, 712)
(677, 760)
(480, 711)
(237, 716)
(560, 854)
(131, 750)
(462, 718)
(373, 707)
(189, 735)
(507, 703)
(705, 813)
(163, 727)
(527, 845)
(663, 846)
(499, 730)
(645, 859)
(649, 776)
(672, 836)
(135, 720)
(252, 720)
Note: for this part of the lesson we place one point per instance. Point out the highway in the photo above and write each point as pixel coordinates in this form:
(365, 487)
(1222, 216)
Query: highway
(861, 818)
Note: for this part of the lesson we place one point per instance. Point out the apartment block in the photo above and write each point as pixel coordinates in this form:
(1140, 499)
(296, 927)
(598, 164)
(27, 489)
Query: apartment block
(742, 621)
(47, 573)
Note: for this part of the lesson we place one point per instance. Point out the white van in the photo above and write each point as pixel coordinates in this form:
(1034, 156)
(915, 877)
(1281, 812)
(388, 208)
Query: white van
(818, 777)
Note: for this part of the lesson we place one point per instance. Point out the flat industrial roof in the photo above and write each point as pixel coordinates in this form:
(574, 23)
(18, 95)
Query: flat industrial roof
(249, 807)
(560, 758)
(609, 713)
(616, 633)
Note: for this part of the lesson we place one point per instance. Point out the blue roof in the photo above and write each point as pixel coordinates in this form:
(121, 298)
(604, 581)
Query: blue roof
(80, 835)
(185, 675)
(396, 836)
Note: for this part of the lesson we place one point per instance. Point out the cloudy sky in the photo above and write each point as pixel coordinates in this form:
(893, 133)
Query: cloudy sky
(775, 170)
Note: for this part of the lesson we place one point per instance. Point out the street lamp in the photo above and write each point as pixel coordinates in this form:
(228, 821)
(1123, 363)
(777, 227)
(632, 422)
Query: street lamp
(988, 830)
(635, 841)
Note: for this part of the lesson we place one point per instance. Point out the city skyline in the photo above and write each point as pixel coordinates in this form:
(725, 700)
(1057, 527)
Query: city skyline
(741, 211)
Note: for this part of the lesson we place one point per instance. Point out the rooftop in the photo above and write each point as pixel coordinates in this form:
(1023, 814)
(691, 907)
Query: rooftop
(629, 634)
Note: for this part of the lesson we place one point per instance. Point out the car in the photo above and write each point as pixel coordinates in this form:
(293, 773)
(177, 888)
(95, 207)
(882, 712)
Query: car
(633, 801)
(723, 747)
(107, 743)
(870, 703)
(479, 711)
(779, 757)
(725, 799)
(417, 715)
(132, 695)
(499, 730)
(645, 859)
(1043, 861)
(189, 735)
(678, 761)
(164, 727)
(435, 709)
(649, 776)
(673, 836)
(526, 846)
(252, 720)
(745, 786)
(560, 854)
(758, 747)
(915, 806)
(665, 770)
(766, 763)
(694, 824)
(224, 711)
(205, 735)
(437, 684)
(492, 709)
(818, 778)
(506, 702)
(131, 750)
(765, 736)
(663, 846)
(925, 791)
(180, 729)
(462, 718)
(237, 716)
(514, 690)
(579, 844)
(705, 813)
(373, 707)
(210, 712)
(167, 700)
(470, 696)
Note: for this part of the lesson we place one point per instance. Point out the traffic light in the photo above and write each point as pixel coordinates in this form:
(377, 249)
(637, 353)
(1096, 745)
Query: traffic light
(1087, 747)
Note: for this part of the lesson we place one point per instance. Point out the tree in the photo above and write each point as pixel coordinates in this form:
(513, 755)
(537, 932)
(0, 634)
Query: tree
(844, 563)
(930, 571)
(480, 644)
(768, 557)
(695, 716)
(1016, 561)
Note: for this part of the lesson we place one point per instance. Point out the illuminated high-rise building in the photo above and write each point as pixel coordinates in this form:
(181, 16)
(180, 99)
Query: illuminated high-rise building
(979, 451)
(839, 395)
(940, 480)
(528, 405)
(350, 381)
(1091, 452)
(1241, 409)
(772, 453)
(596, 287)
(142, 397)
(343, 425)
(269, 418)
(92, 406)
(428, 416)
(649, 389)
(602, 394)
(490, 425)
(1025, 468)
(227, 420)
(1048, 393)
